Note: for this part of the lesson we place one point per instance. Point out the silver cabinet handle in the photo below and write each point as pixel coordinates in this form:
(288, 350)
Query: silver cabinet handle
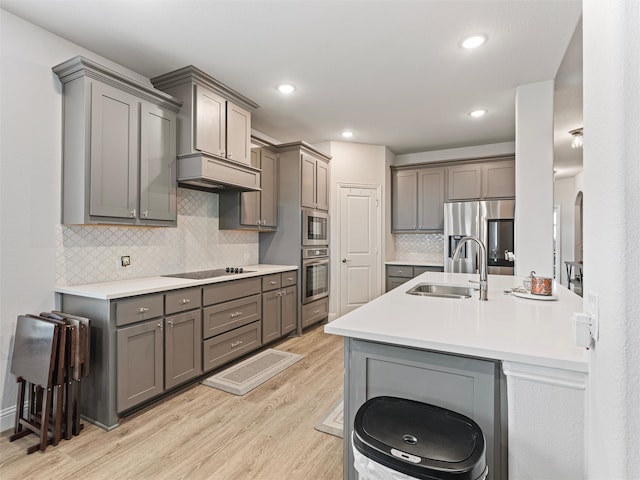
(234, 315)
(132, 213)
(316, 311)
(272, 282)
(223, 153)
(290, 279)
(160, 326)
(235, 344)
(145, 214)
(143, 310)
(170, 323)
(283, 292)
(185, 301)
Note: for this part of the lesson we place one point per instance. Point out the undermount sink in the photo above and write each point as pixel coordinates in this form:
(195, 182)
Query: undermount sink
(445, 291)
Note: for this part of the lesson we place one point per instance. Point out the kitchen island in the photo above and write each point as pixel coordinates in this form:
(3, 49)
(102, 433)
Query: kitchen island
(510, 363)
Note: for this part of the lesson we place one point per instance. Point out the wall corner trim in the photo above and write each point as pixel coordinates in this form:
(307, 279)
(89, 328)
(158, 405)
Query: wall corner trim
(551, 376)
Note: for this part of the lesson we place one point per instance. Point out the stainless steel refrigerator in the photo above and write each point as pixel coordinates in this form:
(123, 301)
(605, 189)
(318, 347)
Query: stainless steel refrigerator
(492, 221)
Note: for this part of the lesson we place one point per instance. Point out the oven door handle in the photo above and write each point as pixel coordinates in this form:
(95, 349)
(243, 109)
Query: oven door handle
(316, 262)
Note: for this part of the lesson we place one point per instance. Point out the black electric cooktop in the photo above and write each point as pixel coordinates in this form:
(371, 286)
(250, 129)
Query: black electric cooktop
(203, 274)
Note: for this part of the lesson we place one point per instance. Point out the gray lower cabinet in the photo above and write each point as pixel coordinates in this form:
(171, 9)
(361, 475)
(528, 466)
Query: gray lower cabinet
(471, 386)
(279, 305)
(146, 345)
(119, 147)
(399, 274)
(232, 323)
(140, 363)
(315, 312)
(159, 354)
(182, 348)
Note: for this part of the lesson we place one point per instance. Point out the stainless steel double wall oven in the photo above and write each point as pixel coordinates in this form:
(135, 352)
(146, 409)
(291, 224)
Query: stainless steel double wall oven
(315, 255)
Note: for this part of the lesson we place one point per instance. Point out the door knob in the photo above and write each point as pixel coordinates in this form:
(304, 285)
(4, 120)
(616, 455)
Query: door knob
(344, 260)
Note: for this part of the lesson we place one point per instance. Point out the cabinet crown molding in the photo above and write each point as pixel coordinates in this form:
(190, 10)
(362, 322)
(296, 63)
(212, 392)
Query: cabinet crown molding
(80, 66)
(286, 147)
(195, 75)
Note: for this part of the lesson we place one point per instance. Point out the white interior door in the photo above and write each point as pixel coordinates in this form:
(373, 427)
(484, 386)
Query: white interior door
(358, 255)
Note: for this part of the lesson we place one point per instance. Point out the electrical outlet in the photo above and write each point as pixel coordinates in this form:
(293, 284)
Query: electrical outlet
(125, 260)
(593, 309)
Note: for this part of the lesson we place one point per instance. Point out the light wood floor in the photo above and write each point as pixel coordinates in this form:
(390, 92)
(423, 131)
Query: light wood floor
(203, 433)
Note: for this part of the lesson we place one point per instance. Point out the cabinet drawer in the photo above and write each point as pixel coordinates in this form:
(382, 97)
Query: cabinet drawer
(224, 348)
(271, 282)
(182, 300)
(420, 270)
(229, 315)
(137, 309)
(222, 292)
(315, 311)
(289, 278)
(399, 271)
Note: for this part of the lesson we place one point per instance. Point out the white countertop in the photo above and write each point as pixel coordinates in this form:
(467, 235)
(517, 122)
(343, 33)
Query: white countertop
(505, 327)
(426, 263)
(139, 286)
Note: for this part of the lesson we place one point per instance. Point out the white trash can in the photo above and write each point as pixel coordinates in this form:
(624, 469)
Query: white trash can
(400, 439)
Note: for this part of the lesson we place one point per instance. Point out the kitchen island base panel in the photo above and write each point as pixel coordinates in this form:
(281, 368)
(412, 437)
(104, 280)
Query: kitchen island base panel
(471, 386)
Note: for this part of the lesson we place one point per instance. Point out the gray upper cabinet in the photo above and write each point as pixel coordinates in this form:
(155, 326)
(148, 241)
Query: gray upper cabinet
(417, 200)
(489, 179)
(210, 122)
(404, 202)
(499, 180)
(119, 148)
(214, 131)
(254, 210)
(314, 182)
(465, 182)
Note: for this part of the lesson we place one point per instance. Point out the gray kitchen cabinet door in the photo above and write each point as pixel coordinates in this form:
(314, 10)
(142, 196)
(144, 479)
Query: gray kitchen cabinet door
(289, 308)
(322, 185)
(140, 363)
(114, 153)
(465, 385)
(210, 114)
(250, 209)
(404, 200)
(238, 134)
(465, 182)
(308, 181)
(499, 179)
(269, 193)
(158, 182)
(183, 348)
(431, 197)
(271, 316)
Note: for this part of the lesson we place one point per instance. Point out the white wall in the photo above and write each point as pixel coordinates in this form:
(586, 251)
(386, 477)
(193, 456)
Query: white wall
(611, 233)
(360, 164)
(534, 179)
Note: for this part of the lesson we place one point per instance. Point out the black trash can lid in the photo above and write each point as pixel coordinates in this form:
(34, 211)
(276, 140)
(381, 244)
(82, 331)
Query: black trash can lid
(420, 440)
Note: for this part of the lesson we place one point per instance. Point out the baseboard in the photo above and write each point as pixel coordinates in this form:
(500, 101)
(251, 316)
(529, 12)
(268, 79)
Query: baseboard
(7, 418)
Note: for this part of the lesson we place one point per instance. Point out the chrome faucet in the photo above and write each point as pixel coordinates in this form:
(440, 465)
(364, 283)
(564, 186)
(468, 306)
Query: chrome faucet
(484, 284)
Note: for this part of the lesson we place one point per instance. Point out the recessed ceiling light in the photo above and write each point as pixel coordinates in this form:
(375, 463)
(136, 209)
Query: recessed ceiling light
(286, 88)
(347, 134)
(477, 113)
(473, 41)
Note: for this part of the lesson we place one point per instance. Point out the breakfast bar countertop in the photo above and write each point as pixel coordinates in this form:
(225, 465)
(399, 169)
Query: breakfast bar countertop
(140, 286)
(505, 327)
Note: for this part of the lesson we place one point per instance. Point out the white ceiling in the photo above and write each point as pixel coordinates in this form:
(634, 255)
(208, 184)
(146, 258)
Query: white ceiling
(392, 71)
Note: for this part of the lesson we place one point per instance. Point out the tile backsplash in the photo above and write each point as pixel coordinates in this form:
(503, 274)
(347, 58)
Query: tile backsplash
(419, 247)
(90, 254)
